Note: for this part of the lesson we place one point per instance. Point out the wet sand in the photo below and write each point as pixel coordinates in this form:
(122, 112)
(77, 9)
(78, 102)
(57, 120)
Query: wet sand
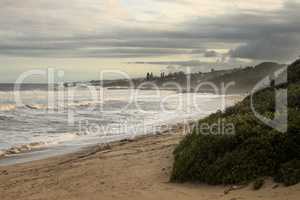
(130, 169)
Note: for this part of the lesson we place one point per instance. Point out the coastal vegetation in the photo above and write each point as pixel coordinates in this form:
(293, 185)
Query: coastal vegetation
(254, 151)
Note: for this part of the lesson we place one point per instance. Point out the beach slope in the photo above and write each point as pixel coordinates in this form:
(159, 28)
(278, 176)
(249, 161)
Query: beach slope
(130, 169)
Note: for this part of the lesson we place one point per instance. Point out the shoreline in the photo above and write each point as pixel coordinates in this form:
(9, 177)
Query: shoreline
(130, 169)
(40, 151)
(11, 154)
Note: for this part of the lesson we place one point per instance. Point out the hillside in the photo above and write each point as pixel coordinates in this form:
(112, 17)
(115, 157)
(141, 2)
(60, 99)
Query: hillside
(245, 79)
(254, 151)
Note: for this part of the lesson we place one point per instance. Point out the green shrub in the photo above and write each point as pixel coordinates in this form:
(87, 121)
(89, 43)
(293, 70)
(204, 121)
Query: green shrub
(289, 173)
(254, 151)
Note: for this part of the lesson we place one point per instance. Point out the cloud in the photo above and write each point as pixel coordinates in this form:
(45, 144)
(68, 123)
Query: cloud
(274, 37)
(273, 48)
(109, 29)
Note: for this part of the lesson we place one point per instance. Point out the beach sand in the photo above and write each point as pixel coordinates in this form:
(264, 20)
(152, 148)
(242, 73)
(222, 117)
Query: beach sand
(131, 169)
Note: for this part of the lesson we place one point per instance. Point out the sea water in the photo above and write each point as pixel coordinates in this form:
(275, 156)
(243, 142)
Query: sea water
(38, 118)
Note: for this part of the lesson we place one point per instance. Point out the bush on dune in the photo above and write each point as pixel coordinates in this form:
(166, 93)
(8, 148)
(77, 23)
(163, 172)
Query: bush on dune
(254, 151)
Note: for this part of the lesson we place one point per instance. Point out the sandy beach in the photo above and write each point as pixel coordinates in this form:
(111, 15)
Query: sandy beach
(129, 169)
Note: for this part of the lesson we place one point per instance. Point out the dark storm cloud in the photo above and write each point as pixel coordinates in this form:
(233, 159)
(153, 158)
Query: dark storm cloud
(276, 47)
(257, 35)
(273, 35)
(276, 37)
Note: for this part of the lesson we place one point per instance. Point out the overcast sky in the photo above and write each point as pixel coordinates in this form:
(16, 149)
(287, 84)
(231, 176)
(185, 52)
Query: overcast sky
(84, 37)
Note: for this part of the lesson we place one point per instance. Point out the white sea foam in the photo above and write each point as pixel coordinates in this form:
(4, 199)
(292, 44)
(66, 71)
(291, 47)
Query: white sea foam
(7, 107)
(124, 113)
(33, 146)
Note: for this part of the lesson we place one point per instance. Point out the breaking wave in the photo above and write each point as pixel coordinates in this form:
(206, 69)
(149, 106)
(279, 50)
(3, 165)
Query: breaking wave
(7, 107)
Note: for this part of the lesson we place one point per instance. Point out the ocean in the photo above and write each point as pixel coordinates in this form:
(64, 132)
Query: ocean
(35, 119)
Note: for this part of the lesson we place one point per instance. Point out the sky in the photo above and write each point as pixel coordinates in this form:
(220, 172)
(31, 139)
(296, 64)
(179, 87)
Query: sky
(86, 37)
